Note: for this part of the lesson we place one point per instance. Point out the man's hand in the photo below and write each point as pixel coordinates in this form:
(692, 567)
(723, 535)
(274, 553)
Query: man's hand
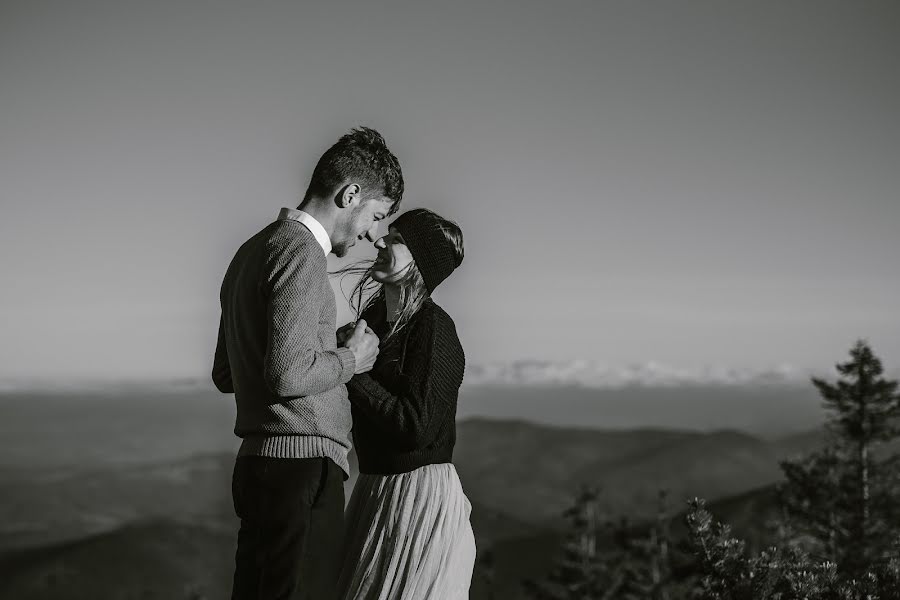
(364, 344)
(345, 331)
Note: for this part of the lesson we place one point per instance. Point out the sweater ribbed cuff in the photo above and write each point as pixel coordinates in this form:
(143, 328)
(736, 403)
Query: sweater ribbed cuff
(348, 363)
(296, 446)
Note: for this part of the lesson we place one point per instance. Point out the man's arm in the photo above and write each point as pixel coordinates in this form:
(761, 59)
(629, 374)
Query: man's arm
(221, 372)
(294, 365)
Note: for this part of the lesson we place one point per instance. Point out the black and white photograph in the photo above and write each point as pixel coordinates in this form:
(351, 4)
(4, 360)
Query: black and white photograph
(513, 300)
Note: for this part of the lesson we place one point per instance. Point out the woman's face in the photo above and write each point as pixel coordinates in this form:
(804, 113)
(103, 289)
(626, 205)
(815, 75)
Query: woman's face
(394, 258)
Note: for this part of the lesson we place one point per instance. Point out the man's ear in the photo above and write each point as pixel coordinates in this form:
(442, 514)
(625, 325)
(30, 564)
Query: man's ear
(350, 195)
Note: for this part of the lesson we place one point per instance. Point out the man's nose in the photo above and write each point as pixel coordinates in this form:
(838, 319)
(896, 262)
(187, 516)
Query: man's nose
(380, 243)
(372, 232)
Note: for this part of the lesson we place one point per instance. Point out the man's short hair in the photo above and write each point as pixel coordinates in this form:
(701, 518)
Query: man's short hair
(362, 157)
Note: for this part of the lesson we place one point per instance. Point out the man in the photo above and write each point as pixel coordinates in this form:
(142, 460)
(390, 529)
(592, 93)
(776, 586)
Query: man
(278, 354)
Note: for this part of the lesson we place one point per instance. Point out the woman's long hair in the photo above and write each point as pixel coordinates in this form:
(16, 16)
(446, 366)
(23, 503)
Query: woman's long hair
(367, 292)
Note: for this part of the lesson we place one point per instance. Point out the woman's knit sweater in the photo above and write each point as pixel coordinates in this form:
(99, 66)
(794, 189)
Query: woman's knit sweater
(404, 409)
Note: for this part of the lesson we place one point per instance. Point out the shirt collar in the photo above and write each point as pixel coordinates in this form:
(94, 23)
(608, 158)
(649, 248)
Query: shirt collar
(316, 228)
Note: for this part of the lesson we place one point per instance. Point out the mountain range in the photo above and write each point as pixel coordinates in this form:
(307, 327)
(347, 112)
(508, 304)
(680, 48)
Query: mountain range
(125, 492)
(166, 530)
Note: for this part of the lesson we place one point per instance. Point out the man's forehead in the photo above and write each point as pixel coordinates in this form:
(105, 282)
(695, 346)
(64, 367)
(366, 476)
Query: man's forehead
(377, 204)
(387, 203)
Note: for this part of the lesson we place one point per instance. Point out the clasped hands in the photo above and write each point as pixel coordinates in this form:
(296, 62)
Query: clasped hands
(362, 341)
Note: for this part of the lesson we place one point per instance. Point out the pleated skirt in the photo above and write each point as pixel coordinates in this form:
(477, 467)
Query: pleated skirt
(408, 537)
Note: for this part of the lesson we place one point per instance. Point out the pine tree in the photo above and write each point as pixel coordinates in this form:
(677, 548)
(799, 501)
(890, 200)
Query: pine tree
(814, 508)
(644, 561)
(602, 560)
(579, 573)
(844, 497)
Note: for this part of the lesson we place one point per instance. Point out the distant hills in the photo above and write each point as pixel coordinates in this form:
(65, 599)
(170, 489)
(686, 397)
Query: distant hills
(531, 472)
(520, 476)
(769, 411)
(49, 508)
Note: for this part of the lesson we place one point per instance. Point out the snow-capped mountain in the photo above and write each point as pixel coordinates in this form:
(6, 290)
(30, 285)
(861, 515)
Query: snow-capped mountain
(592, 374)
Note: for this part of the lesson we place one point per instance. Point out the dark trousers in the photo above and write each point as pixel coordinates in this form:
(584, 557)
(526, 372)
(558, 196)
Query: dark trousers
(292, 525)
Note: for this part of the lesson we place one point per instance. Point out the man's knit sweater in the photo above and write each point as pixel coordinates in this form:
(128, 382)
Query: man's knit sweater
(277, 351)
(404, 410)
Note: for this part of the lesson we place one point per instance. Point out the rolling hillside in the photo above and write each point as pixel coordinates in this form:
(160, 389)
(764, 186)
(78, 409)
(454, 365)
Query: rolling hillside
(531, 472)
(519, 476)
(147, 560)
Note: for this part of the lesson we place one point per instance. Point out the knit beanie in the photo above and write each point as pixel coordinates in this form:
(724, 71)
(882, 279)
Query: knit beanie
(423, 232)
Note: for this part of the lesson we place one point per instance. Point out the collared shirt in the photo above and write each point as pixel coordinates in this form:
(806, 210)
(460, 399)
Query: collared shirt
(316, 228)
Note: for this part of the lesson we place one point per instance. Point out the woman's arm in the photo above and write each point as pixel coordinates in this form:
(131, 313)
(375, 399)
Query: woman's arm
(408, 403)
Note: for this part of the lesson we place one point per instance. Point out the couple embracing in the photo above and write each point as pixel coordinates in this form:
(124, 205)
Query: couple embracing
(300, 387)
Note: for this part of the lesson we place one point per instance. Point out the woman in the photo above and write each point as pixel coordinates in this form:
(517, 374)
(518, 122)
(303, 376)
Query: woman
(408, 534)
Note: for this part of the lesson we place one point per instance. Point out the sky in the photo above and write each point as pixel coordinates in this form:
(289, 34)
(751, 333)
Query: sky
(690, 183)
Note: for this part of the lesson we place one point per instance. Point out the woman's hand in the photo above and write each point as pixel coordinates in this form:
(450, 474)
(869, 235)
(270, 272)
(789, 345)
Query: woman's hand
(344, 332)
